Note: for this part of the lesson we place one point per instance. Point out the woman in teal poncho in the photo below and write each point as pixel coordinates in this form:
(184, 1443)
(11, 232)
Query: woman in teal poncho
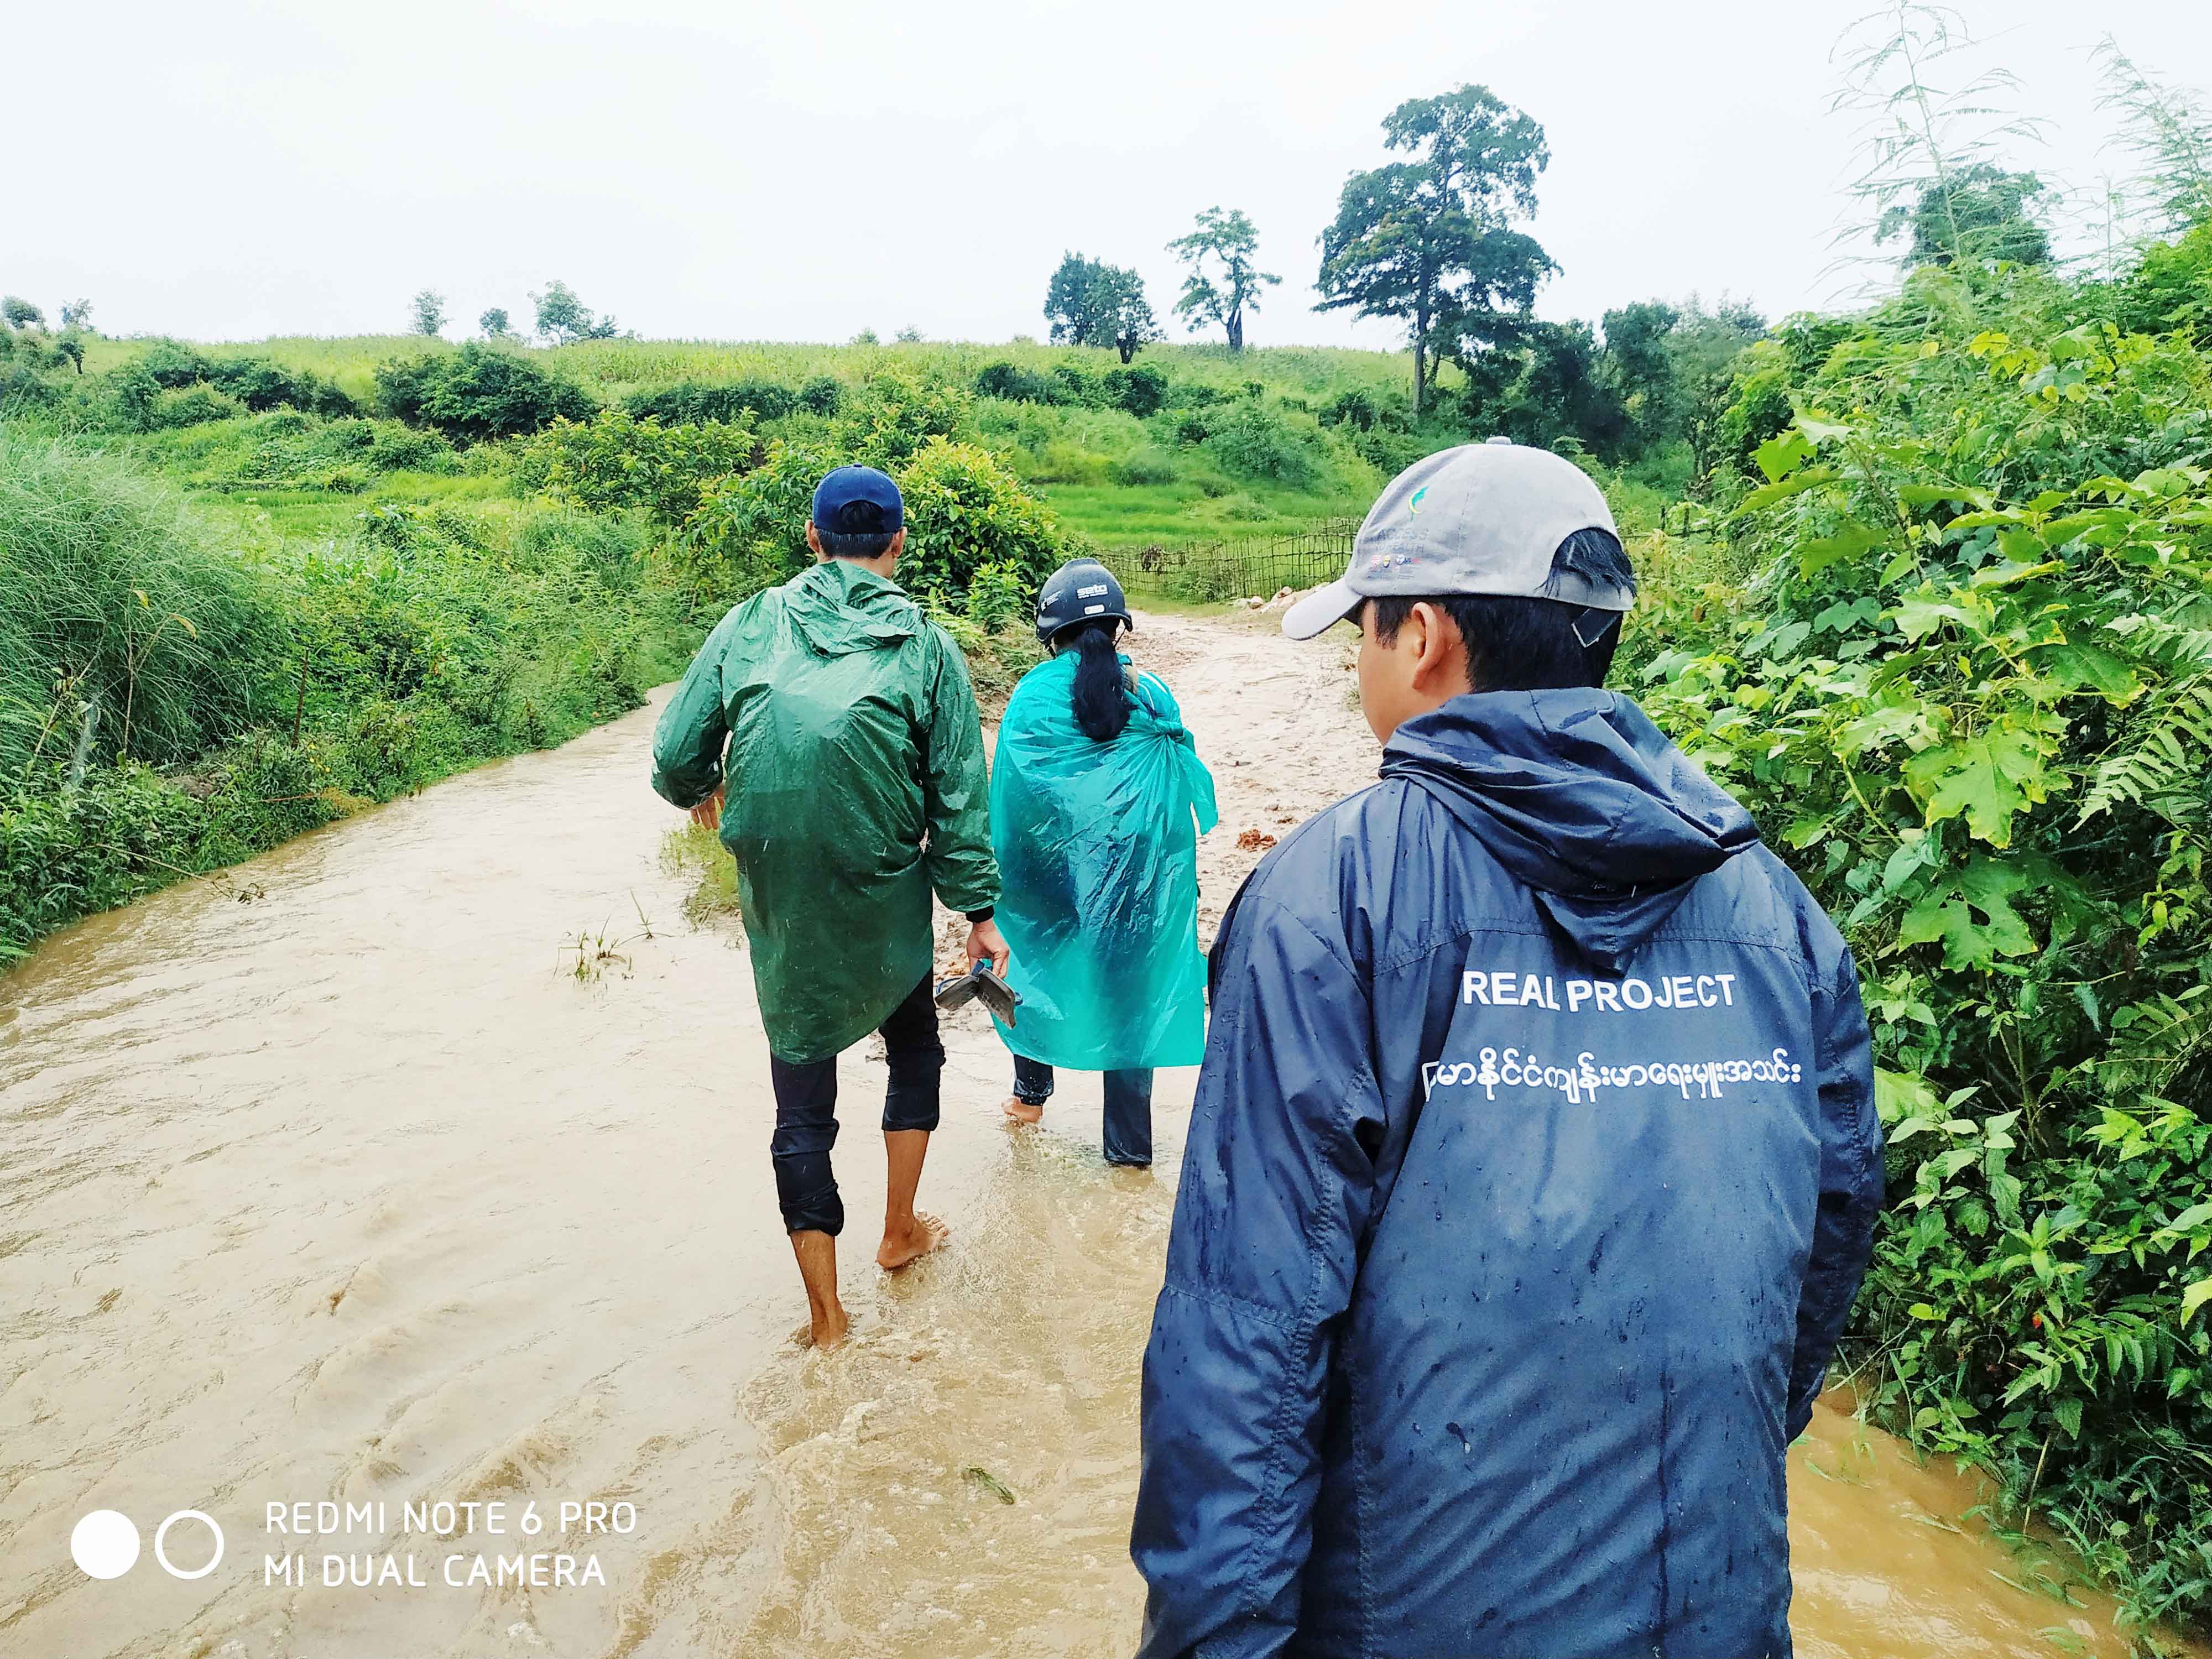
(1097, 800)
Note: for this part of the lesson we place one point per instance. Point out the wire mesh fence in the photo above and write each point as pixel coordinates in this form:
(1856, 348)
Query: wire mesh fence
(1235, 569)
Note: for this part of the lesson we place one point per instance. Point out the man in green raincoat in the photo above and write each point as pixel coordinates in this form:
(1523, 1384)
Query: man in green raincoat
(855, 787)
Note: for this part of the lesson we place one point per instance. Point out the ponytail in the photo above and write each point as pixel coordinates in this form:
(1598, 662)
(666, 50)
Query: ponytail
(1101, 693)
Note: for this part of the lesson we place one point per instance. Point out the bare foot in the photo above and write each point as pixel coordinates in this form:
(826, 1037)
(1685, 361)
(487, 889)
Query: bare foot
(825, 1330)
(903, 1248)
(1021, 1110)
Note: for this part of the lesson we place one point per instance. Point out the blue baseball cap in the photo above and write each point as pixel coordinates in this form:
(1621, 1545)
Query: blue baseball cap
(857, 501)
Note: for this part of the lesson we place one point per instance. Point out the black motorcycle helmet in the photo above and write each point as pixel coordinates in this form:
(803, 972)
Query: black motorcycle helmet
(1080, 591)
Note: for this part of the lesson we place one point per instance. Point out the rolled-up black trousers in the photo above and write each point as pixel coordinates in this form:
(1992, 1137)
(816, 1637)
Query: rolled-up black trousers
(806, 1113)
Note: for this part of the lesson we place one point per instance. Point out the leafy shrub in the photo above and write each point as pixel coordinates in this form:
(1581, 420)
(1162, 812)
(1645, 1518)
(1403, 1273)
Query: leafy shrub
(1015, 385)
(1970, 692)
(477, 392)
(749, 529)
(824, 394)
(171, 365)
(965, 511)
(1368, 410)
(897, 410)
(689, 403)
(262, 385)
(1140, 391)
(2172, 288)
(614, 461)
(999, 594)
(1250, 440)
(1144, 467)
(192, 405)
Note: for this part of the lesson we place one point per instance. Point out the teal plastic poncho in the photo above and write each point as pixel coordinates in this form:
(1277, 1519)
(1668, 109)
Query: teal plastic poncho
(1097, 847)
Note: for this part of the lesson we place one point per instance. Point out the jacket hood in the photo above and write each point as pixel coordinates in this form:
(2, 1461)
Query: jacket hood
(839, 608)
(1582, 799)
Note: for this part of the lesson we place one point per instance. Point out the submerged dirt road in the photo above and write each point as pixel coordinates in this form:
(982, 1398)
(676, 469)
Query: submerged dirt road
(334, 1182)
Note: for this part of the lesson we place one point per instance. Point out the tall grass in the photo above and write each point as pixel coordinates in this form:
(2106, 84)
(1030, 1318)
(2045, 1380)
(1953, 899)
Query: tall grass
(119, 611)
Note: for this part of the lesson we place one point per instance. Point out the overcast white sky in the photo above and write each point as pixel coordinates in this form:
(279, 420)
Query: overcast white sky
(229, 170)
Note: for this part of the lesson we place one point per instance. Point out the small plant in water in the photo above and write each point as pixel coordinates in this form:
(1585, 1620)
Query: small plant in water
(591, 954)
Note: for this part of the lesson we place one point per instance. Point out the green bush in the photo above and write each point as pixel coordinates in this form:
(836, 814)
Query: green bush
(1139, 391)
(689, 403)
(1968, 691)
(615, 461)
(476, 393)
(965, 511)
(1251, 440)
(192, 405)
(262, 385)
(1144, 467)
(749, 531)
(897, 410)
(171, 365)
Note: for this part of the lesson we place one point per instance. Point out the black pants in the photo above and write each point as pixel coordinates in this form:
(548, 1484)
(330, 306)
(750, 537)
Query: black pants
(806, 1113)
(1128, 1107)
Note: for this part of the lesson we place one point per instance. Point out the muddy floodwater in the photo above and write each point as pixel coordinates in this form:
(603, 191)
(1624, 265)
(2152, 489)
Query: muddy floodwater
(336, 1183)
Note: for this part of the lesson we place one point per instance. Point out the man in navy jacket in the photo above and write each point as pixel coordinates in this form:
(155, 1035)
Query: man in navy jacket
(1535, 1162)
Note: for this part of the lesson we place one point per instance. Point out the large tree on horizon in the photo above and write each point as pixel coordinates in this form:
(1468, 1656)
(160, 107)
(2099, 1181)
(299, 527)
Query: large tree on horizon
(1431, 241)
(1230, 240)
(1090, 302)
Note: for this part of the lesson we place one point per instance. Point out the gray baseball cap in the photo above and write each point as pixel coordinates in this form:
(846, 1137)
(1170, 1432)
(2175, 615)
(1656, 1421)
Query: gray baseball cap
(1483, 518)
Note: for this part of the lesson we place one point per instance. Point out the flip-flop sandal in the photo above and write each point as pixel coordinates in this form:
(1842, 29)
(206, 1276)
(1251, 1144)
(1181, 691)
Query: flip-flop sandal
(978, 982)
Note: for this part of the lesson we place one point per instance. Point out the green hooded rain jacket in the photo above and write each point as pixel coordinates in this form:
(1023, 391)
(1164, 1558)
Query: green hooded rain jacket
(856, 785)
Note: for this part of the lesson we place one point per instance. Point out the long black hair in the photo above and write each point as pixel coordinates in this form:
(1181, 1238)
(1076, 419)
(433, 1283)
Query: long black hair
(1102, 691)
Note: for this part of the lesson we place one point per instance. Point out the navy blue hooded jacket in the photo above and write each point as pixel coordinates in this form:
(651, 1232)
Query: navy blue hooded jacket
(1533, 1167)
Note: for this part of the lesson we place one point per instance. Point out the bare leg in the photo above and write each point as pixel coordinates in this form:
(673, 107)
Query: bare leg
(909, 1234)
(818, 1267)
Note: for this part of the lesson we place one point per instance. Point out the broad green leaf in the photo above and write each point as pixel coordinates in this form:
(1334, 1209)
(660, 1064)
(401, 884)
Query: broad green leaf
(1783, 454)
(1989, 779)
(1933, 495)
(1848, 542)
(1783, 488)
(1898, 1095)
(2090, 668)
(2194, 1297)
(1918, 615)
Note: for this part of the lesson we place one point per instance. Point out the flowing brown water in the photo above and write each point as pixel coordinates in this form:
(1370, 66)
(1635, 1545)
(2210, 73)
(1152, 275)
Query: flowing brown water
(354, 1191)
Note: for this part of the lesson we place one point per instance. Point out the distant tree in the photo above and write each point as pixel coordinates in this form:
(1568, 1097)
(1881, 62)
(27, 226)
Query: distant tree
(1067, 302)
(1979, 213)
(1539, 383)
(77, 313)
(429, 312)
(1707, 347)
(563, 319)
(495, 324)
(909, 337)
(1638, 366)
(1119, 297)
(1229, 239)
(866, 337)
(21, 313)
(1090, 302)
(1430, 242)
